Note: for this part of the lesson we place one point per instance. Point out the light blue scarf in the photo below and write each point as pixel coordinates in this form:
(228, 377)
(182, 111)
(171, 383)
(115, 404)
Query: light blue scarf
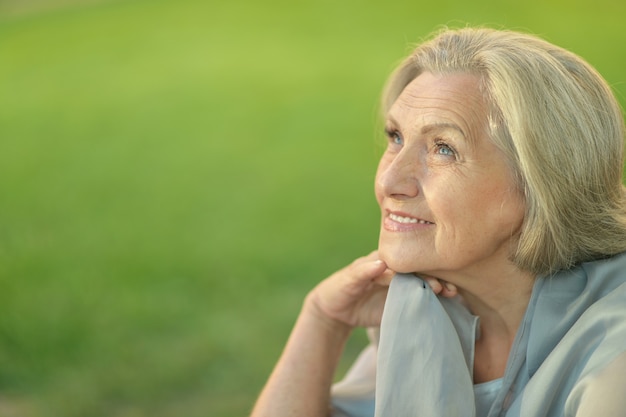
(424, 363)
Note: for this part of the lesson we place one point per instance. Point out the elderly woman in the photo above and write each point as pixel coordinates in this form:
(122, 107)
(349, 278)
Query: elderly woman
(503, 226)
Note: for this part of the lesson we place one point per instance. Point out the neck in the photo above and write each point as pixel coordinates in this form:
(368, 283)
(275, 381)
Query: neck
(500, 305)
(500, 300)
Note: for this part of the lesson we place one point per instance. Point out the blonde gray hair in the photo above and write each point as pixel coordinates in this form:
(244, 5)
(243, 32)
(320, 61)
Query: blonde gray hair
(561, 129)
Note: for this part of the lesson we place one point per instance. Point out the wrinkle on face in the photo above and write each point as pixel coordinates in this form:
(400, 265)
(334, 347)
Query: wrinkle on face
(471, 198)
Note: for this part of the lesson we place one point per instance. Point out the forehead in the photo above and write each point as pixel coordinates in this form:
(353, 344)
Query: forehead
(452, 99)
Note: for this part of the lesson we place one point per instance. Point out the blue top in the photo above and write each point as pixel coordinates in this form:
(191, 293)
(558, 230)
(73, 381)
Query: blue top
(573, 329)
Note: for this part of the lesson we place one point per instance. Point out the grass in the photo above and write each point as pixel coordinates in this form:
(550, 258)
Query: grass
(177, 175)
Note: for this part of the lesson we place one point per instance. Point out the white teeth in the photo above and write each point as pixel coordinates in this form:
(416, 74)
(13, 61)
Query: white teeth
(401, 219)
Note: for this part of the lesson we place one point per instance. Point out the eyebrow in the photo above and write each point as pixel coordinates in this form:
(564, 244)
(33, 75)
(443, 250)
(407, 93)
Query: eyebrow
(442, 126)
(431, 126)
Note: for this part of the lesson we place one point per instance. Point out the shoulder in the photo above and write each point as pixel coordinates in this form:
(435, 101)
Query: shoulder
(575, 327)
(578, 310)
(601, 393)
(602, 327)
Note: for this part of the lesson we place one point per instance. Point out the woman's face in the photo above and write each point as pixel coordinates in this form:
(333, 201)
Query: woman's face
(447, 196)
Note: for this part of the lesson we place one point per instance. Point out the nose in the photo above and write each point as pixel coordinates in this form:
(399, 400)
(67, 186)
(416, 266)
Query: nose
(397, 176)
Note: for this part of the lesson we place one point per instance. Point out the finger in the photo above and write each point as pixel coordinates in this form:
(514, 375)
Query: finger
(369, 270)
(359, 273)
(372, 256)
(385, 277)
(434, 284)
(449, 290)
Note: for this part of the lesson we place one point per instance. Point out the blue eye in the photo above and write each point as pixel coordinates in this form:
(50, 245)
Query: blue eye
(395, 137)
(445, 150)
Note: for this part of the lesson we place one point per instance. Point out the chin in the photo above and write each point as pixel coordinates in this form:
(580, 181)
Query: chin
(400, 263)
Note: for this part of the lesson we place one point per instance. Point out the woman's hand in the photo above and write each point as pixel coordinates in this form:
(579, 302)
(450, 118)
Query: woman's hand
(355, 295)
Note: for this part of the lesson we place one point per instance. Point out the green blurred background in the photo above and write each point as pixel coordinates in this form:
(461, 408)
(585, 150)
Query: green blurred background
(176, 175)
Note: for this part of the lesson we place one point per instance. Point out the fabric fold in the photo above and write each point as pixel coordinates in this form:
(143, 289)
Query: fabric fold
(422, 369)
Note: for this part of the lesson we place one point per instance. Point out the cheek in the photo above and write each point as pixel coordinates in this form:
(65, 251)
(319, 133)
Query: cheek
(500, 212)
(460, 212)
(515, 205)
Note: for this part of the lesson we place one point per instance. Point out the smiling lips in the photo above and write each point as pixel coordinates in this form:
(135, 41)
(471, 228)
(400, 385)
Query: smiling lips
(401, 222)
(407, 220)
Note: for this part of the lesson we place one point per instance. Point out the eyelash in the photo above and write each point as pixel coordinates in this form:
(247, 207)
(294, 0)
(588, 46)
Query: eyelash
(395, 138)
(440, 144)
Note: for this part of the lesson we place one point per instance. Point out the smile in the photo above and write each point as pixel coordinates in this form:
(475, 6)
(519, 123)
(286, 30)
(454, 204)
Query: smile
(407, 220)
